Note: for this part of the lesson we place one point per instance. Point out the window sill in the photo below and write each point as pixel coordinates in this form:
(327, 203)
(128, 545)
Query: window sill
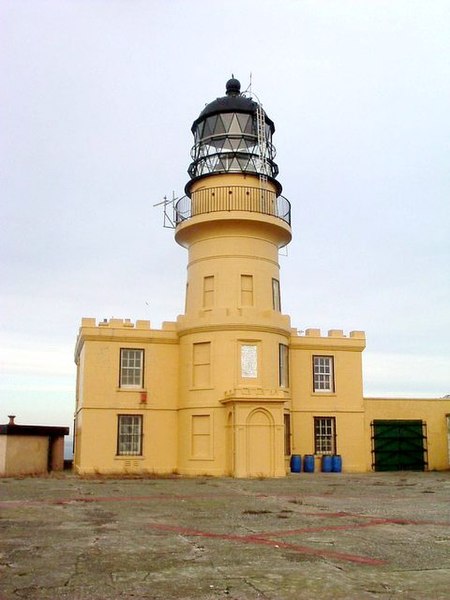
(130, 389)
(324, 394)
(129, 457)
(196, 389)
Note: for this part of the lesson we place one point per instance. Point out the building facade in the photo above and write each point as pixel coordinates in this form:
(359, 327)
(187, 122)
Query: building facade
(231, 388)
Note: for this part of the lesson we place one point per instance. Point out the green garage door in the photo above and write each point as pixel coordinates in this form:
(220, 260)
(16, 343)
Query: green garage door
(399, 445)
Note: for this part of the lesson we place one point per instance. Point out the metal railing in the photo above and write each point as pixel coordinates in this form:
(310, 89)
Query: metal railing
(232, 198)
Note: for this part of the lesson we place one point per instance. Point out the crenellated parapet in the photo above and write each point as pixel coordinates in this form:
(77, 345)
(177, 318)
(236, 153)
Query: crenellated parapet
(124, 324)
(335, 339)
(124, 331)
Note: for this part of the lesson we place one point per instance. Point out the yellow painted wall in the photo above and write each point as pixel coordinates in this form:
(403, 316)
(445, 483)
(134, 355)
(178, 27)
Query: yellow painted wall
(98, 351)
(224, 380)
(24, 455)
(345, 404)
(99, 447)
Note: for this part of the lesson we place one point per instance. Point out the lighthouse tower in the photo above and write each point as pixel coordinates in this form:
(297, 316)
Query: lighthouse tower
(233, 338)
(229, 388)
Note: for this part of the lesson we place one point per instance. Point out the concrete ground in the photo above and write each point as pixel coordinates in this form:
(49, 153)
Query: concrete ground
(323, 535)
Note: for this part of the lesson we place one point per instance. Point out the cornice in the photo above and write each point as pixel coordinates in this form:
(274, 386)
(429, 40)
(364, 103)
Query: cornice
(285, 332)
(234, 256)
(327, 343)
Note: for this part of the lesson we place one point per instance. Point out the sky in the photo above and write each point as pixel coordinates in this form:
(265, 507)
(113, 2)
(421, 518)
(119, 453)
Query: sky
(96, 104)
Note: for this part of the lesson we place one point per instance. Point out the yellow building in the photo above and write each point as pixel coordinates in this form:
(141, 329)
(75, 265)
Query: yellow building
(231, 388)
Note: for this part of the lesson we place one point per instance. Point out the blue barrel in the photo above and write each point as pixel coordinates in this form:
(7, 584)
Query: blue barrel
(308, 463)
(327, 463)
(336, 463)
(296, 463)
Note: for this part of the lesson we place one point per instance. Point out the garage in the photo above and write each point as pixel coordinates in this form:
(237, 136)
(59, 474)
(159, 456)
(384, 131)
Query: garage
(399, 445)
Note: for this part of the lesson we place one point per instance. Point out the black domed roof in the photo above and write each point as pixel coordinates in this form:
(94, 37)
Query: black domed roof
(233, 87)
(234, 101)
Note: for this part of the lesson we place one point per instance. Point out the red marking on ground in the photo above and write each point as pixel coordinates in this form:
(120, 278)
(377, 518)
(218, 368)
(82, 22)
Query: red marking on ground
(262, 540)
(90, 499)
(320, 529)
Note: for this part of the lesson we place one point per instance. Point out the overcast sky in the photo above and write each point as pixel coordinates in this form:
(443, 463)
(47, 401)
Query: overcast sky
(96, 103)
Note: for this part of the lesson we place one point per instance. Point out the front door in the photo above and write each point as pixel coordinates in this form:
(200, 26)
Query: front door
(260, 451)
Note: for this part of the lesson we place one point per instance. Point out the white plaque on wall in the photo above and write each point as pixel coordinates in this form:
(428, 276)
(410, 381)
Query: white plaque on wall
(249, 362)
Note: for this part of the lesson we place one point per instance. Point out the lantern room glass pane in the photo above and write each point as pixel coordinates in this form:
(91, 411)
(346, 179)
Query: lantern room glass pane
(244, 163)
(206, 130)
(226, 118)
(245, 123)
(200, 127)
(212, 123)
(234, 126)
(234, 165)
(220, 128)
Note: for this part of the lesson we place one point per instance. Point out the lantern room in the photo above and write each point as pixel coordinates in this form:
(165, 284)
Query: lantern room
(233, 134)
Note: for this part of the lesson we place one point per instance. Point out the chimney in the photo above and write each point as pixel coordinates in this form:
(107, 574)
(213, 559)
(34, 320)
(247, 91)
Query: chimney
(11, 419)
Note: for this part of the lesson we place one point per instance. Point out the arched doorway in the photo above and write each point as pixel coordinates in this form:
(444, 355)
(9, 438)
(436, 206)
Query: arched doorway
(260, 451)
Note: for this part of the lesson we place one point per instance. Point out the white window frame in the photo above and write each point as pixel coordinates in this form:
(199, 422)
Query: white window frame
(323, 374)
(129, 435)
(324, 435)
(131, 368)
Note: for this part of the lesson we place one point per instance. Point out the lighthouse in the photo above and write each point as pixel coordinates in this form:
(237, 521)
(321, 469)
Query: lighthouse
(233, 336)
(229, 388)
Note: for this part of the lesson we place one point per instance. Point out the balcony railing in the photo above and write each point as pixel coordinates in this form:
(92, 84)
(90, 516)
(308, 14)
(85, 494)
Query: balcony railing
(232, 198)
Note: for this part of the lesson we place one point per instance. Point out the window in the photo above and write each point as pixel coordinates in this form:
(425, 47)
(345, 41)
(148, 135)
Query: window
(249, 361)
(208, 291)
(186, 298)
(287, 435)
(323, 373)
(324, 435)
(131, 367)
(283, 365)
(276, 299)
(201, 436)
(201, 360)
(246, 290)
(129, 435)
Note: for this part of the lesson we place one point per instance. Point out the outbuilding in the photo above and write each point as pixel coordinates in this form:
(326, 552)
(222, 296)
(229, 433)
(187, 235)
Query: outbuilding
(31, 449)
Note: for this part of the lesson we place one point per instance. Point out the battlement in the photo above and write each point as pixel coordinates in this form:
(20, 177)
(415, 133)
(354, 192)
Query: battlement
(332, 333)
(124, 324)
(312, 339)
